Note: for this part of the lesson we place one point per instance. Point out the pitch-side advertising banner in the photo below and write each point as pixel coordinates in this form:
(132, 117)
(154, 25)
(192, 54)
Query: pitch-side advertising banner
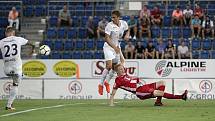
(197, 88)
(28, 89)
(93, 68)
(86, 89)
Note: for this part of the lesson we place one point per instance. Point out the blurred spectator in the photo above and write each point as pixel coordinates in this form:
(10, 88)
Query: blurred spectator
(207, 27)
(90, 28)
(170, 50)
(132, 26)
(129, 50)
(144, 27)
(139, 51)
(101, 27)
(156, 16)
(177, 17)
(187, 15)
(183, 51)
(64, 18)
(13, 18)
(160, 49)
(150, 51)
(145, 12)
(199, 11)
(195, 26)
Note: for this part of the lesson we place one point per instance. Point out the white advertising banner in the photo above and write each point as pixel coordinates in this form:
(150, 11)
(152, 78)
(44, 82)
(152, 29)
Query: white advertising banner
(197, 88)
(86, 89)
(156, 68)
(28, 89)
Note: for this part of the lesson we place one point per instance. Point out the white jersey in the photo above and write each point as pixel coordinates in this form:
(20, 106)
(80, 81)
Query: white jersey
(10, 48)
(115, 32)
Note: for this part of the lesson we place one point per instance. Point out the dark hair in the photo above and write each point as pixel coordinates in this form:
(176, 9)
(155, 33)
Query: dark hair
(9, 29)
(116, 12)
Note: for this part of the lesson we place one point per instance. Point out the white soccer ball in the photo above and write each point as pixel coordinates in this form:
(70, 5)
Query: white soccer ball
(45, 50)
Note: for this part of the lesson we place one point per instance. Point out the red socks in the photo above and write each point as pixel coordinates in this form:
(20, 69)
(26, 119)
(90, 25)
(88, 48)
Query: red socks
(171, 96)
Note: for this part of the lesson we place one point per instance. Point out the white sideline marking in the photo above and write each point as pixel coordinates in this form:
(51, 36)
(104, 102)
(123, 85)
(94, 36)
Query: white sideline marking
(41, 108)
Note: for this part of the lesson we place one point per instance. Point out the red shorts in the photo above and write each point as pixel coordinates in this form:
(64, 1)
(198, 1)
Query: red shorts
(146, 91)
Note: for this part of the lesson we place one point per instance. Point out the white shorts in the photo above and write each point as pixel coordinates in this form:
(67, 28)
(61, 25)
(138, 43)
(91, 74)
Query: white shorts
(110, 54)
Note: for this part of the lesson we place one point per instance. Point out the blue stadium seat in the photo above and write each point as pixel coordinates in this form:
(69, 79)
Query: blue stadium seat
(99, 44)
(53, 21)
(166, 32)
(213, 54)
(80, 10)
(89, 44)
(155, 32)
(167, 21)
(55, 55)
(3, 22)
(39, 11)
(89, 10)
(49, 43)
(28, 11)
(58, 45)
(79, 44)
(75, 21)
(77, 55)
(84, 20)
(125, 18)
(213, 44)
(72, 33)
(176, 42)
(88, 55)
(96, 21)
(42, 2)
(176, 32)
(195, 54)
(98, 55)
(44, 57)
(82, 33)
(66, 55)
(196, 44)
(204, 54)
(2, 35)
(62, 33)
(99, 10)
(68, 45)
(51, 33)
(206, 44)
(186, 32)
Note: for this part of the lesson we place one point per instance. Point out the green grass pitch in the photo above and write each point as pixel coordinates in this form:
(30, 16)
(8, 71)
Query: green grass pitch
(98, 110)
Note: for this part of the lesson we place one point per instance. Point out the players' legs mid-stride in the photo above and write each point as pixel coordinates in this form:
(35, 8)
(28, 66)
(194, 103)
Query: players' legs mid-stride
(13, 92)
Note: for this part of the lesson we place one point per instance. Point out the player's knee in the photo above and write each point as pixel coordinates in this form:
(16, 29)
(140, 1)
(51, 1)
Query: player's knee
(158, 93)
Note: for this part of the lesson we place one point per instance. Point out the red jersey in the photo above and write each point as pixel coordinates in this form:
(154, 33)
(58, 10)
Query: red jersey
(127, 83)
(156, 14)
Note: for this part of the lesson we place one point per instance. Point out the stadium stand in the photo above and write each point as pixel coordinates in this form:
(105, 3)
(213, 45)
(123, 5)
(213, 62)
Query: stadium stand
(63, 40)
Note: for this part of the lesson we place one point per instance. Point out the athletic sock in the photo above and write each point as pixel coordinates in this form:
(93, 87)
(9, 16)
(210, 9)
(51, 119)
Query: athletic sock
(161, 88)
(104, 75)
(13, 94)
(171, 96)
(110, 75)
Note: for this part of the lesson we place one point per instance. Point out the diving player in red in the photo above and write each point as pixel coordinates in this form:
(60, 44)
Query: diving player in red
(134, 85)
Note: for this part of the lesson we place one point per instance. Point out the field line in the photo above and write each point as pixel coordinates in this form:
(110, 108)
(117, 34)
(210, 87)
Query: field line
(35, 109)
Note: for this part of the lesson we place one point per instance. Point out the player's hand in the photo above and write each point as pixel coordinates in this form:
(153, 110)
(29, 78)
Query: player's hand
(117, 50)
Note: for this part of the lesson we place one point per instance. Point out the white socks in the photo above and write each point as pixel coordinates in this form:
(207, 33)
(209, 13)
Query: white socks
(13, 93)
(104, 74)
(110, 75)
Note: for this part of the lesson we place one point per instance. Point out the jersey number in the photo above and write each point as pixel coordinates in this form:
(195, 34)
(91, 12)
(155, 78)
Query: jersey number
(8, 48)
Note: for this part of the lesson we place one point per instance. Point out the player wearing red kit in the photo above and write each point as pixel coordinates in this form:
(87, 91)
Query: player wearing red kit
(142, 91)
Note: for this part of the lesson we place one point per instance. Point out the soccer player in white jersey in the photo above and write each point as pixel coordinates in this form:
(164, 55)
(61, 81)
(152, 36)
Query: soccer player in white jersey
(114, 31)
(10, 48)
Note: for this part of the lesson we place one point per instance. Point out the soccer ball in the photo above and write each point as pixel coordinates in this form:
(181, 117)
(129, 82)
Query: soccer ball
(45, 50)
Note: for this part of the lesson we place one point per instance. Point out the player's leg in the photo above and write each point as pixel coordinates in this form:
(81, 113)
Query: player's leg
(159, 86)
(13, 92)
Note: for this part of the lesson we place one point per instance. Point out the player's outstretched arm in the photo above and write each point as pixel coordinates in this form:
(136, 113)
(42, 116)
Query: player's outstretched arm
(112, 97)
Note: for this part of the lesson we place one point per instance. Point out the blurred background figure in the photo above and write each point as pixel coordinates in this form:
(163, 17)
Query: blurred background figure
(150, 51)
(13, 18)
(129, 50)
(101, 27)
(132, 26)
(139, 51)
(64, 18)
(183, 51)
